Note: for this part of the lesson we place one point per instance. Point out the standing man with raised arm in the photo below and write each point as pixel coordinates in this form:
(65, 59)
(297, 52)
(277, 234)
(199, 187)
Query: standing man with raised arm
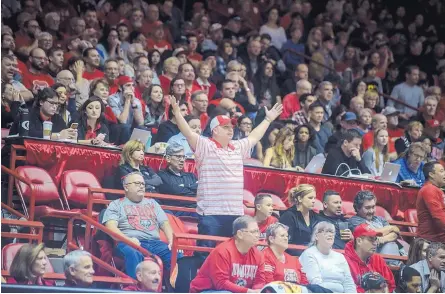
(219, 161)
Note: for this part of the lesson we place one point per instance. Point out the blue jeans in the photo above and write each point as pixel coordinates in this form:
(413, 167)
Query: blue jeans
(133, 257)
(214, 225)
(182, 213)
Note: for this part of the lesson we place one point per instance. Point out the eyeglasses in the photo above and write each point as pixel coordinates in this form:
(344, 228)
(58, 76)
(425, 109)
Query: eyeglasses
(246, 124)
(53, 103)
(253, 232)
(180, 157)
(137, 183)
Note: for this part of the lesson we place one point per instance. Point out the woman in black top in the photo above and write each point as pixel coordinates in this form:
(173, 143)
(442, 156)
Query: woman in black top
(304, 152)
(265, 85)
(11, 102)
(132, 159)
(300, 218)
(92, 128)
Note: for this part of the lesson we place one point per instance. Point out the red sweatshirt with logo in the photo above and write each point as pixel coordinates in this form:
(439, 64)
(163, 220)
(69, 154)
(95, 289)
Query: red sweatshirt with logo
(289, 271)
(375, 264)
(227, 269)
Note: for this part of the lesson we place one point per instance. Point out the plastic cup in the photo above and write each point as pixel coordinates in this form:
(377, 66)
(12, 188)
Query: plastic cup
(47, 128)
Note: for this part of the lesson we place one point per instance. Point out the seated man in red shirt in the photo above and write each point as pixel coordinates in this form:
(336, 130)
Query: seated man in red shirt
(291, 102)
(361, 257)
(148, 275)
(92, 62)
(235, 265)
(36, 78)
(263, 213)
(431, 204)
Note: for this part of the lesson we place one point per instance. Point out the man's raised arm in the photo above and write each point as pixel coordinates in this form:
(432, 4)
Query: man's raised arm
(192, 138)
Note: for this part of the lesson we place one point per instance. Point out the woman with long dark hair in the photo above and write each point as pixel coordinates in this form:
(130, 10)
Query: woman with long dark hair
(91, 129)
(304, 152)
(62, 109)
(155, 109)
(268, 139)
(265, 85)
(154, 57)
(273, 28)
(109, 45)
(225, 55)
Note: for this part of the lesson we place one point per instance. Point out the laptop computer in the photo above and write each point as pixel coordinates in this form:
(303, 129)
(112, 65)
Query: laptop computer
(315, 165)
(141, 135)
(390, 172)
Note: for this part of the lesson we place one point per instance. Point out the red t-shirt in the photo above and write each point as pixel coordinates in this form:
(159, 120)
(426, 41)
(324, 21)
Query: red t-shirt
(162, 44)
(264, 225)
(22, 40)
(431, 213)
(289, 271)
(35, 82)
(227, 269)
(211, 90)
(165, 84)
(195, 56)
(291, 104)
(109, 115)
(96, 74)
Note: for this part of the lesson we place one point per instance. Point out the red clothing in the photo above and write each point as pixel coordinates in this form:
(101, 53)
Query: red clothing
(22, 40)
(204, 118)
(289, 271)
(227, 269)
(264, 225)
(21, 67)
(291, 104)
(195, 56)
(375, 264)
(368, 141)
(96, 74)
(113, 87)
(430, 206)
(162, 44)
(39, 282)
(165, 84)
(35, 82)
(210, 88)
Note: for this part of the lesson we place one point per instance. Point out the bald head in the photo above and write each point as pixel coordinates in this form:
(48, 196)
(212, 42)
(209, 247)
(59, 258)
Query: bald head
(228, 104)
(303, 87)
(379, 121)
(65, 77)
(302, 72)
(148, 274)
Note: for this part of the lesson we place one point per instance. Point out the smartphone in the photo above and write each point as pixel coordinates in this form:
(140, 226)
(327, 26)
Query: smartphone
(74, 126)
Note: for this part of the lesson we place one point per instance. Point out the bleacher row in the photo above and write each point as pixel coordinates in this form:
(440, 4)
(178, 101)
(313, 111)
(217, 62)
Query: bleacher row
(80, 199)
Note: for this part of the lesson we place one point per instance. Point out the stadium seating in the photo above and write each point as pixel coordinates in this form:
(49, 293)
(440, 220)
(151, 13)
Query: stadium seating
(74, 186)
(318, 206)
(248, 197)
(411, 216)
(380, 211)
(348, 208)
(10, 250)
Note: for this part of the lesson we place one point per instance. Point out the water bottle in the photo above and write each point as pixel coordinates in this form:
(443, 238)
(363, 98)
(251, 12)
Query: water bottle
(24, 122)
(148, 143)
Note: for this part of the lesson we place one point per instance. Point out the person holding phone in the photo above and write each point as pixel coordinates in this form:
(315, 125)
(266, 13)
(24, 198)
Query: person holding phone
(332, 213)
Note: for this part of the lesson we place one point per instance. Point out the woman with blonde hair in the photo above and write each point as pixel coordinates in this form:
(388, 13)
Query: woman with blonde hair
(300, 217)
(29, 265)
(372, 101)
(282, 153)
(376, 156)
(324, 266)
(132, 159)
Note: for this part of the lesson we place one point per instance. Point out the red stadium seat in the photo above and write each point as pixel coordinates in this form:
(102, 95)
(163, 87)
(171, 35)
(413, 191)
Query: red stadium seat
(179, 228)
(276, 200)
(190, 224)
(348, 208)
(411, 216)
(248, 197)
(380, 211)
(74, 186)
(318, 206)
(9, 252)
(5, 133)
(252, 162)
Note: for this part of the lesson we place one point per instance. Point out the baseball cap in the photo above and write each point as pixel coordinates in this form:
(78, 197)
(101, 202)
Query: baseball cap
(348, 116)
(122, 80)
(372, 281)
(215, 27)
(220, 120)
(389, 110)
(432, 123)
(365, 230)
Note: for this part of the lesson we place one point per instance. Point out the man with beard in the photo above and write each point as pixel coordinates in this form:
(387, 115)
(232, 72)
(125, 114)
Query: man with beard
(36, 79)
(7, 75)
(432, 269)
(361, 257)
(28, 40)
(92, 61)
(90, 17)
(411, 166)
(8, 41)
(148, 275)
(431, 205)
(44, 109)
(55, 61)
(111, 74)
(332, 213)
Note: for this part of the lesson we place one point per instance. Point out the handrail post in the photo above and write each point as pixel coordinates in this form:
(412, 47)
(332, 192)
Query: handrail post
(174, 256)
(89, 214)
(11, 177)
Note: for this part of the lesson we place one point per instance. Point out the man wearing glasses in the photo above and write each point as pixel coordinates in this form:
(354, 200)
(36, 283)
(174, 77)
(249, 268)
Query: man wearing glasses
(138, 220)
(36, 78)
(361, 257)
(411, 166)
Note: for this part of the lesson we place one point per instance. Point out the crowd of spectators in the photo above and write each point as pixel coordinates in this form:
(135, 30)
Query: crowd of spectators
(353, 83)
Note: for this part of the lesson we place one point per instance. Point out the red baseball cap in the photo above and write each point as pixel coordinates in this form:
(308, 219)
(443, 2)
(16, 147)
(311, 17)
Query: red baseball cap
(433, 123)
(122, 80)
(220, 120)
(365, 230)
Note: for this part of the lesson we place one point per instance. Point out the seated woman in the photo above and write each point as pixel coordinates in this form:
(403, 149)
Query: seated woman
(304, 152)
(243, 127)
(282, 153)
(324, 266)
(29, 266)
(268, 139)
(91, 128)
(364, 121)
(417, 251)
(155, 109)
(413, 134)
(11, 103)
(376, 156)
(278, 265)
(300, 218)
(132, 158)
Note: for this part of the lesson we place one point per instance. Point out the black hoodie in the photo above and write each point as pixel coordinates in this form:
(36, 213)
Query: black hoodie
(335, 220)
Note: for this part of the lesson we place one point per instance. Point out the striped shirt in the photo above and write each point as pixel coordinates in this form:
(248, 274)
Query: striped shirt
(220, 176)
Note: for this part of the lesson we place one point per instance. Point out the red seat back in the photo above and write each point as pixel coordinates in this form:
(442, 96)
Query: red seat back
(276, 200)
(179, 228)
(75, 184)
(318, 205)
(248, 196)
(348, 208)
(46, 190)
(9, 252)
(380, 211)
(411, 216)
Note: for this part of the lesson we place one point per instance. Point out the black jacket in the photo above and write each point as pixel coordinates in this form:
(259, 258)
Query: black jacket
(335, 157)
(184, 185)
(35, 123)
(299, 232)
(8, 117)
(166, 130)
(335, 220)
(152, 180)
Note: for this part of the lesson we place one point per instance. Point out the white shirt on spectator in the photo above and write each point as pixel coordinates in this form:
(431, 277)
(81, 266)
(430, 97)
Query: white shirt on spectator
(220, 176)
